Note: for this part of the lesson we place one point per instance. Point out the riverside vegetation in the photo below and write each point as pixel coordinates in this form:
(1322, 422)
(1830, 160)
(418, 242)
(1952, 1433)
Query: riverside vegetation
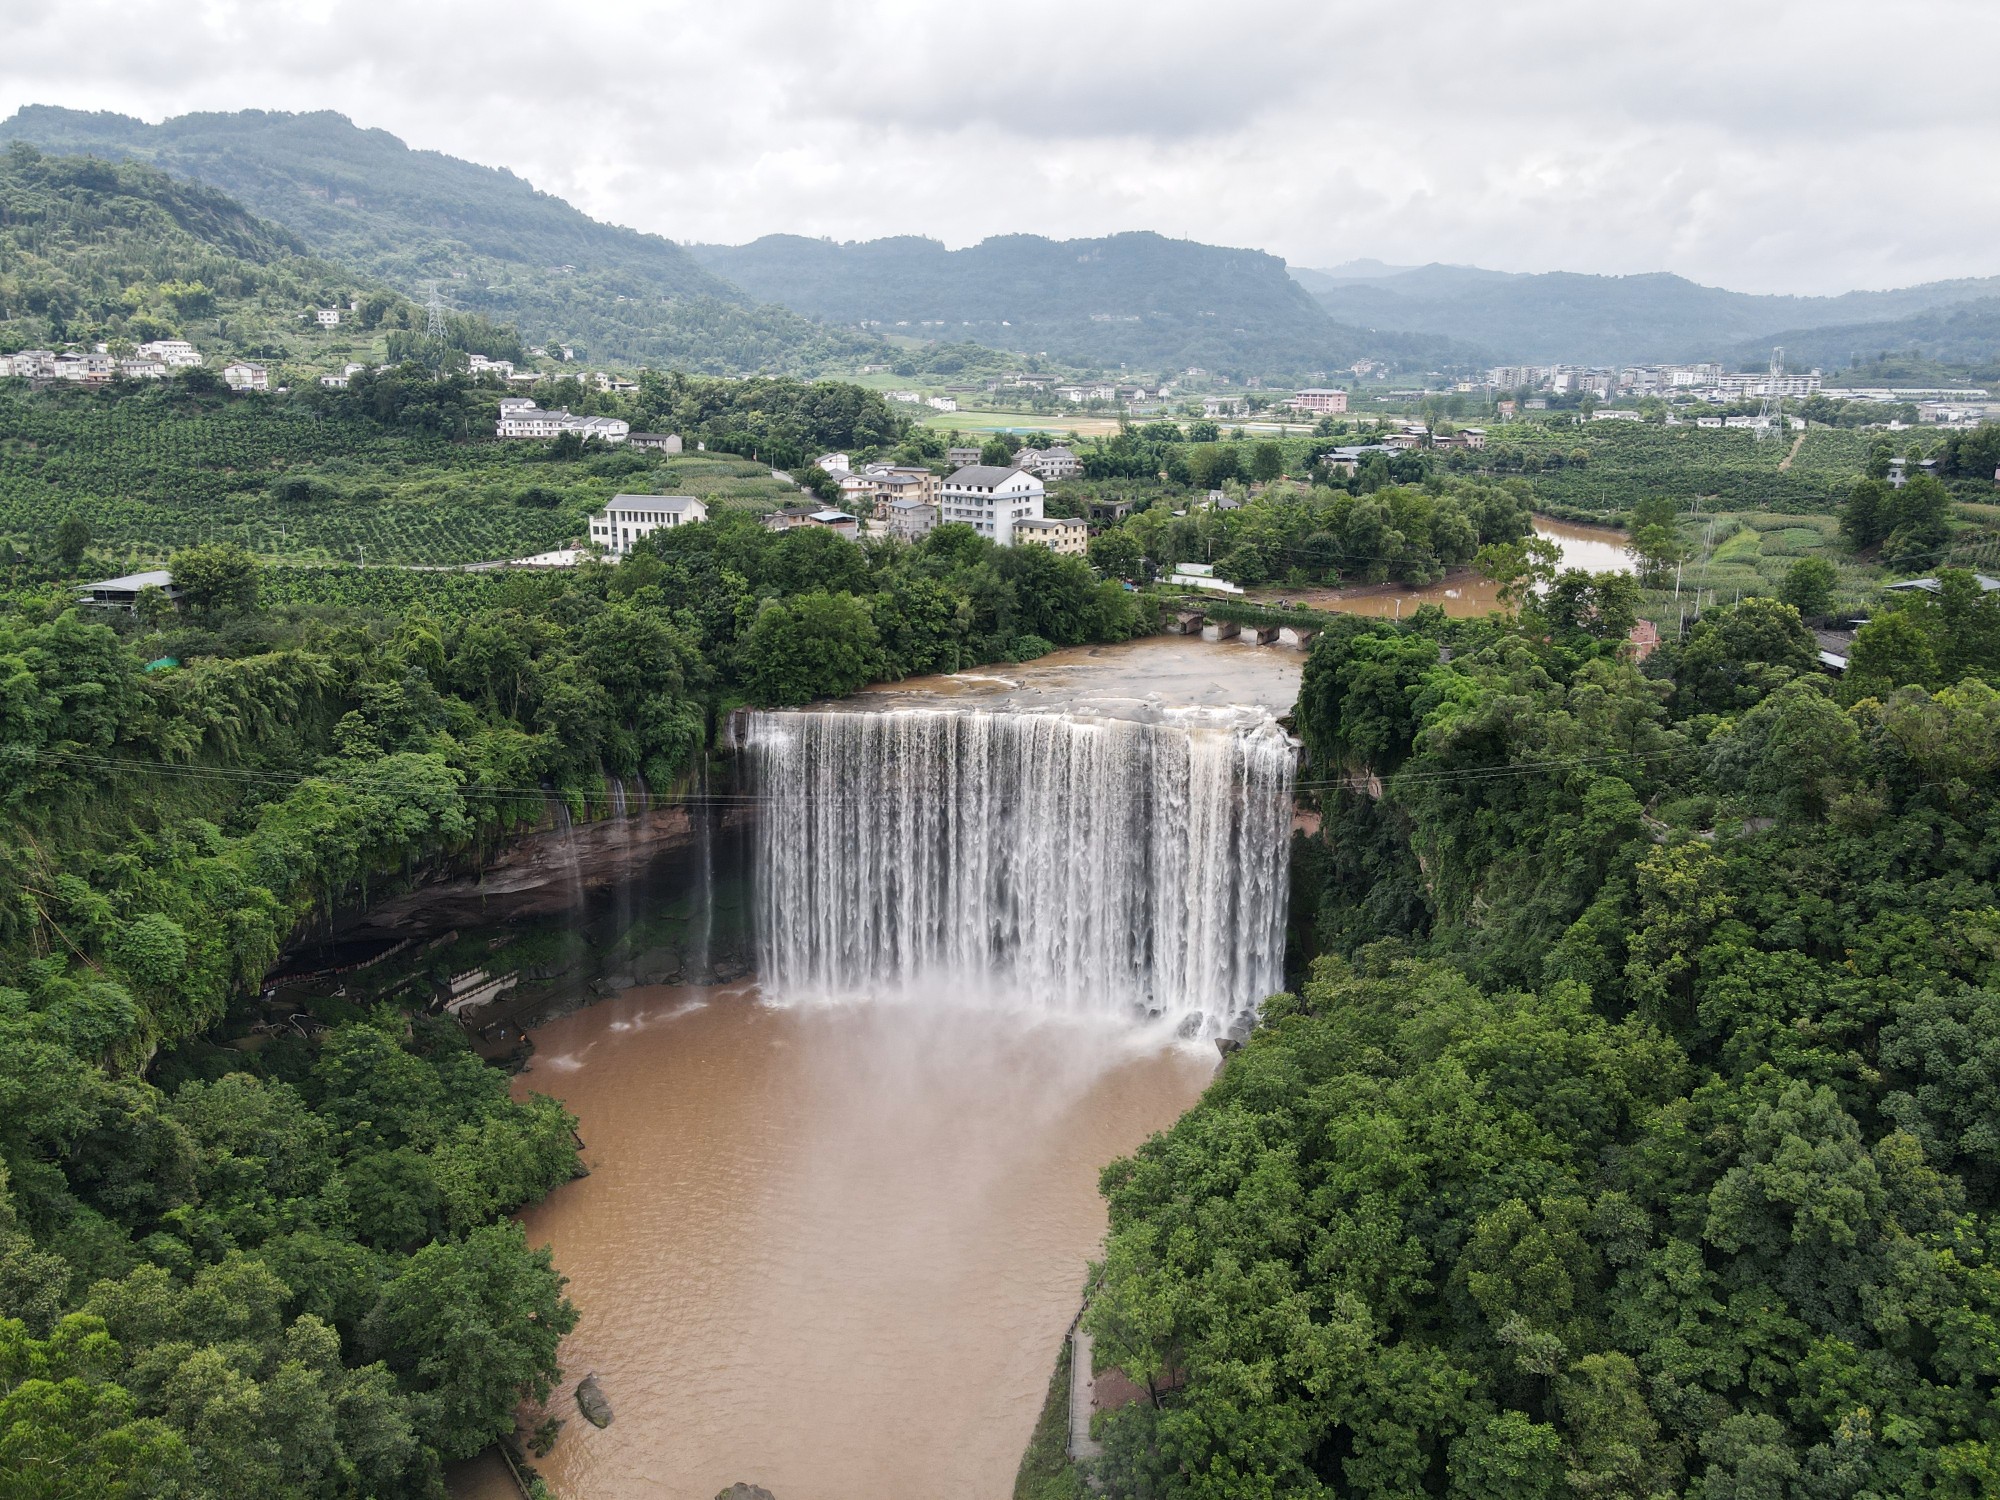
(282, 1269)
(1631, 1133)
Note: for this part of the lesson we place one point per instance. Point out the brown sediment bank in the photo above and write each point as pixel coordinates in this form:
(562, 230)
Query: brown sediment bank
(829, 1247)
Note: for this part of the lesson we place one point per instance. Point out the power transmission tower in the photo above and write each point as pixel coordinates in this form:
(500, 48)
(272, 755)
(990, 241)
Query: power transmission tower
(434, 311)
(1771, 417)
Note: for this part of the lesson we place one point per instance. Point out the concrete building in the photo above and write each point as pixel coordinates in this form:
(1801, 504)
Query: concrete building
(654, 442)
(991, 499)
(908, 520)
(243, 376)
(1057, 533)
(521, 418)
(629, 518)
(1049, 463)
(175, 354)
(833, 463)
(837, 521)
(327, 317)
(1324, 402)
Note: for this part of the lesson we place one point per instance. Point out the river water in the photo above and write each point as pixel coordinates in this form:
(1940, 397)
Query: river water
(828, 1250)
(1464, 593)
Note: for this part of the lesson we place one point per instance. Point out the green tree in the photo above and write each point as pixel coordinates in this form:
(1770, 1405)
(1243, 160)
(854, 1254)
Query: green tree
(1809, 585)
(816, 645)
(72, 537)
(216, 579)
(470, 1327)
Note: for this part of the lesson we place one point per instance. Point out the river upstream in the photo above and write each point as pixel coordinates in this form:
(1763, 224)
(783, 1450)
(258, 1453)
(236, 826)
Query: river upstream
(834, 1233)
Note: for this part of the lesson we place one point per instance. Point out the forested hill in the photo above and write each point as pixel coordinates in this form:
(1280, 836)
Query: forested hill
(1140, 300)
(1634, 1134)
(117, 252)
(1963, 338)
(500, 247)
(1561, 315)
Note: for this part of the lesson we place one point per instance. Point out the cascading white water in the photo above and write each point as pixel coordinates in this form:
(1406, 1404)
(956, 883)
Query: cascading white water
(1061, 863)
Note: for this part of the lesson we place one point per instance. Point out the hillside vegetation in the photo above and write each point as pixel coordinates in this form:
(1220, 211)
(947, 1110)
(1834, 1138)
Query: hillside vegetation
(1138, 300)
(1632, 1134)
(94, 251)
(499, 247)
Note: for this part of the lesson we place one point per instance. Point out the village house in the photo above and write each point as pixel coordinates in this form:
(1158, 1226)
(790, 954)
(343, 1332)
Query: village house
(479, 364)
(340, 382)
(1322, 402)
(990, 499)
(327, 317)
(832, 463)
(654, 442)
(1221, 406)
(1049, 463)
(521, 418)
(1058, 533)
(630, 518)
(961, 458)
(839, 522)
(908, 520)
(123, 593)
(175, 354)
(243, 376)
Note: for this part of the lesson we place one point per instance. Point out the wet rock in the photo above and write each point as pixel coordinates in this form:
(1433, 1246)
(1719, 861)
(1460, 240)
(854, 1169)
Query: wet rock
(618, 982)
(656, 966)
(741, 1491)
(1227, 1044)
(728, 971)
(591, 1402)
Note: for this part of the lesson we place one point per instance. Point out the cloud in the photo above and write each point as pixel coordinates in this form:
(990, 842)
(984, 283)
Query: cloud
(1790, 147)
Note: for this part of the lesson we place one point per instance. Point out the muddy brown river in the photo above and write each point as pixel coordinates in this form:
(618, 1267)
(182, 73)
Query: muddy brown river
(831, 1251)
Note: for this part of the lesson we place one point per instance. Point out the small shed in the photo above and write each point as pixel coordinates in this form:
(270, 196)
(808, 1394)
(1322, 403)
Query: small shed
(123, 593)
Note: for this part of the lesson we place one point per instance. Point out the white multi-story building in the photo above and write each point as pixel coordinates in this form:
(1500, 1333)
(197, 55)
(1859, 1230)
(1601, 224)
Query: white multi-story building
(244, 376)
(521, 418)
(175, 354)
(479, 364)
(991, 499)
(1049, 463)
(832, 463)
(29, 364)
(942, 403)
(328, 317)
(628, 518)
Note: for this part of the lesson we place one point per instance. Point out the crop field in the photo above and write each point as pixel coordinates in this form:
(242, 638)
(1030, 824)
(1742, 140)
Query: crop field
(975, 422)
(149, 476)
(1727, 469)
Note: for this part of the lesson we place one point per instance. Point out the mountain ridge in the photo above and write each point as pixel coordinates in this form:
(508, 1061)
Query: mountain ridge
(505, 248)
(1575, 316)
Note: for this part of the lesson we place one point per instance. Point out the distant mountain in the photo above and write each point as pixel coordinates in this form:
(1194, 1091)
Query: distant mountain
(498, 245)
(99, 251)
(1960, 336)
(1139, 300)
(1561, 315)
(1346, 271)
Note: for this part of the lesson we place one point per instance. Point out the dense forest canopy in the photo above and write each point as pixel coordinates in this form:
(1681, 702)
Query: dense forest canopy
(1631, 1134)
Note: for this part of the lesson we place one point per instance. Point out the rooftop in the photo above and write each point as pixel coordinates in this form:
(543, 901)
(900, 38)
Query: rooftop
(157, 578)
(982, 476)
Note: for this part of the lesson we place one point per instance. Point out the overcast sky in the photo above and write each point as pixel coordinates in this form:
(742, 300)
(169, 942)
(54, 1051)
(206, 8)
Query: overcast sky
(1781, 146)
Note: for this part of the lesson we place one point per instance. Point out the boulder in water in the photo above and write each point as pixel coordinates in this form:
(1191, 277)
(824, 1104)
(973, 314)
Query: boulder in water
(590, 1401)
(741, 1491)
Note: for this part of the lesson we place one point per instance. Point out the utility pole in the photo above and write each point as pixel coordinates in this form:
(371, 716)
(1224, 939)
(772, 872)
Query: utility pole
(1772, 414)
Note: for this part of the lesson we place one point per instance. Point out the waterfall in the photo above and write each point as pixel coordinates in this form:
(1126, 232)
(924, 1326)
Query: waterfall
(1053, 862)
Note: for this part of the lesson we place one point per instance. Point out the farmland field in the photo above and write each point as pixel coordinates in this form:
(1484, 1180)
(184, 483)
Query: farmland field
(150, 475)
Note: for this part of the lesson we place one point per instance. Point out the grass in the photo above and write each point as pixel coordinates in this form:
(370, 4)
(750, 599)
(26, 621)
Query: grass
(1046, 1471)
(1020, 421)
